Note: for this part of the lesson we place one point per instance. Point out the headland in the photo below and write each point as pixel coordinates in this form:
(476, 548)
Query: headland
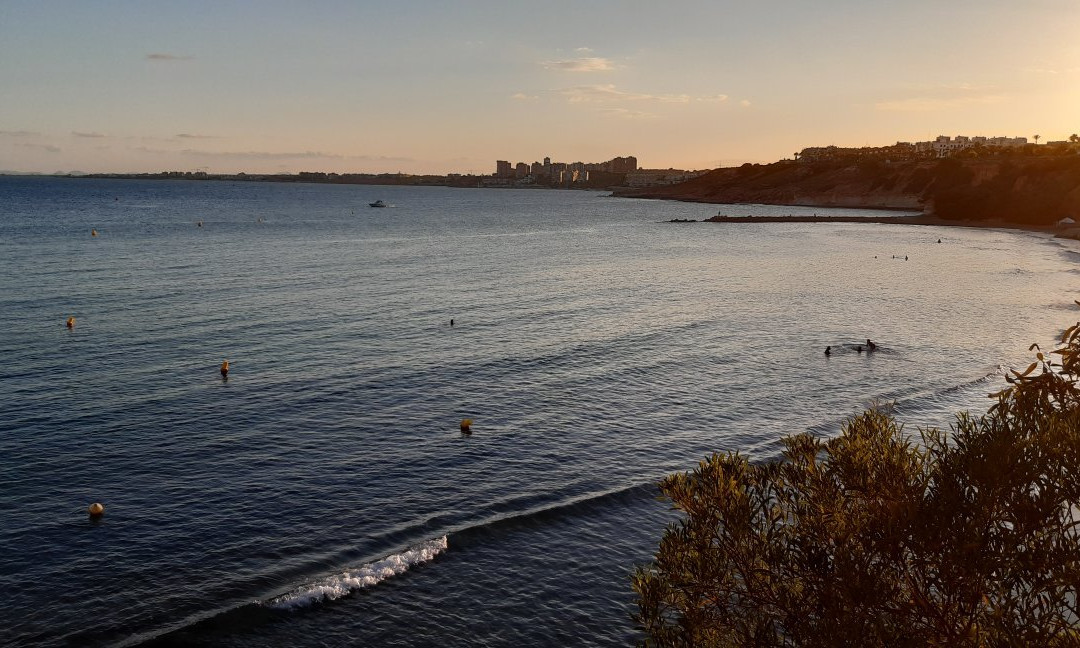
(1029, 188)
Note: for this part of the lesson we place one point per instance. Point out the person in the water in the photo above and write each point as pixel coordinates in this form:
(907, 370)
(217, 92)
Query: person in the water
(828, 350)
(870, 346)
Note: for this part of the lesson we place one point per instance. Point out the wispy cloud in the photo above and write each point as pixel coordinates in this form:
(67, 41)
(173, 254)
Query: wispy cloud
(942, 97)
(43, 147)
(521, 96)
(86, 134)
(608, 93)
(720, 98)
(196, 136)
(1052, 72)
(626, 113)
(584, 64)
(938, 104)
(159, 56)
(20, 133)
(745, 103)
(275, 155)
(584, 50)
(149, 138)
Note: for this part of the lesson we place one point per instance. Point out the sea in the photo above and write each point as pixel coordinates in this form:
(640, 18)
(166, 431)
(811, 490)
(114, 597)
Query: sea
(324, 493)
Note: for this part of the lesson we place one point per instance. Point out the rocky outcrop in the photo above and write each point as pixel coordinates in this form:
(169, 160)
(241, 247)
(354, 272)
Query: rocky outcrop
(1020, 189)
(792, 183)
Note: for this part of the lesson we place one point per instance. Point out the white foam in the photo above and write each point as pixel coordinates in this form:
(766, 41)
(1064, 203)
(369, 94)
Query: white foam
(332, 587)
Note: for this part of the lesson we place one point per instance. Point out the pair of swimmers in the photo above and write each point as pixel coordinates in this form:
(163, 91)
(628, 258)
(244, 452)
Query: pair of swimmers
(870, 346)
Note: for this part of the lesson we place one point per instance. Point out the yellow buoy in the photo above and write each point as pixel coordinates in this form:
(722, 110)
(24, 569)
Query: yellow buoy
(93, 232)
(71, 322)
(466, 426)
(225, 369)
(96, 509)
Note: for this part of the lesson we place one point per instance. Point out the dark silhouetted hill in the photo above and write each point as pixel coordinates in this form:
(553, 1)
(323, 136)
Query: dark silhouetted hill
(1022, 189)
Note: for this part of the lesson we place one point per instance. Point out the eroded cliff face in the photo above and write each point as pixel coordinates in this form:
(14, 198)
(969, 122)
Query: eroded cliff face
(1030, 190)
(793, 183)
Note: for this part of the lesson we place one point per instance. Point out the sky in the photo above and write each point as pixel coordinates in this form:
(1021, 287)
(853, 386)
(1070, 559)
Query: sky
(416, 86)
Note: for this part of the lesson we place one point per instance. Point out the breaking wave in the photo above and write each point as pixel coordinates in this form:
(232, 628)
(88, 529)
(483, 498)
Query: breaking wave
(367, 575)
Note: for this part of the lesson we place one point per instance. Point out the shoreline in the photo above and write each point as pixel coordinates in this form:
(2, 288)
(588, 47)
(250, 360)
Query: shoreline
(914, 206)
(917, 215)
(1071, 232)
(920, 219)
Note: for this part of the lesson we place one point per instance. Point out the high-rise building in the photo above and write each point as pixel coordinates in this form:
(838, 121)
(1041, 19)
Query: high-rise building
(562, 172)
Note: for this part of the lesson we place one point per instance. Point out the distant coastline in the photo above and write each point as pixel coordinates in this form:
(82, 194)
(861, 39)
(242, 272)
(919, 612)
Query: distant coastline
(1030, 188)
(384, 179)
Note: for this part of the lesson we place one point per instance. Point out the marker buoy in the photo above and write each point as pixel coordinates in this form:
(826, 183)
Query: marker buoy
(71, 322)
(225, 369)
(96, 510)
(466, 426)
(93, 232)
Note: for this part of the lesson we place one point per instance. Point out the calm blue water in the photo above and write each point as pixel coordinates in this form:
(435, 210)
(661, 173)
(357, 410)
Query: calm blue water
(324, 495)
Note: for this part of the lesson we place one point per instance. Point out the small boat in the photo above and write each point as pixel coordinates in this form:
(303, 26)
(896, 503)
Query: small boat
(378, 203)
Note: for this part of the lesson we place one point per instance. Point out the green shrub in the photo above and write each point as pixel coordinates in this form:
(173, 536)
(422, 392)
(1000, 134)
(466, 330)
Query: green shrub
(965, 538)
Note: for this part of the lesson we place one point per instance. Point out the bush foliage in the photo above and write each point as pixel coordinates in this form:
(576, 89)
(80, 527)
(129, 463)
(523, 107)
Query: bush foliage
(960, 538)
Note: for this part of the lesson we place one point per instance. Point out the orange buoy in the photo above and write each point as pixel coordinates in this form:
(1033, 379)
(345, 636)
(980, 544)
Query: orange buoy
(93, 232)
(96, 510)
(466, 426)
(71, 322)
(225, 369)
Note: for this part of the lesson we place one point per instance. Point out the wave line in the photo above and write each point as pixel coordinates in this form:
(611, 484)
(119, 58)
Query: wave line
(367, 575)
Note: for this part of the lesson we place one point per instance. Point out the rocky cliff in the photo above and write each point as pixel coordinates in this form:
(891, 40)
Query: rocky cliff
(1017, 189)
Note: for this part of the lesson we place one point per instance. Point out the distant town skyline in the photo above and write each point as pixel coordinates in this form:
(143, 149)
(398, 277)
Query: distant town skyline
(421, 87)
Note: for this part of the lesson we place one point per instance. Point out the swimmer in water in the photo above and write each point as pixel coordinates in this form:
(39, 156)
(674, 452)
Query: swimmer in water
(870, 345)
(828, 350)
